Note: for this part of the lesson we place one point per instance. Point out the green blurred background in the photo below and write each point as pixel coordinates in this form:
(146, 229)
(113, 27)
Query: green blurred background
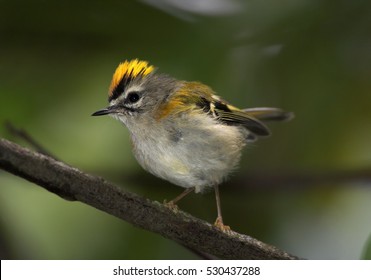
(312, 57)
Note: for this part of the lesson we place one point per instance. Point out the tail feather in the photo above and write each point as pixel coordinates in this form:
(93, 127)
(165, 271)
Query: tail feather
(269, 114)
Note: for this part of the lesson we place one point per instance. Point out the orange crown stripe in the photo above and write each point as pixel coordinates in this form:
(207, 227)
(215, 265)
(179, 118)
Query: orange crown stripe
(129, 70)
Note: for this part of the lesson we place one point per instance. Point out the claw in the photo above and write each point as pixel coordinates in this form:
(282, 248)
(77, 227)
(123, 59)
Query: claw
(171, 205)
(219, 224)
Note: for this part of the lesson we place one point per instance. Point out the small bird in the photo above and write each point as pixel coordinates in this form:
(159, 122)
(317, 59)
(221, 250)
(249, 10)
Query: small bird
(181, 131)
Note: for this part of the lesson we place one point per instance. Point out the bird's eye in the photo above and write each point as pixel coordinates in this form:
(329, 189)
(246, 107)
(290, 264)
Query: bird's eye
(133, 97)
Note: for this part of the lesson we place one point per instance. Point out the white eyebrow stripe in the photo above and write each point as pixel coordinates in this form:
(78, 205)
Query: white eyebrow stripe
(131, 89)
(122, 97)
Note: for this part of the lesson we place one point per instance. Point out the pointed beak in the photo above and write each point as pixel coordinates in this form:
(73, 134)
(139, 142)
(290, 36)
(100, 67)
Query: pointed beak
(105, 111)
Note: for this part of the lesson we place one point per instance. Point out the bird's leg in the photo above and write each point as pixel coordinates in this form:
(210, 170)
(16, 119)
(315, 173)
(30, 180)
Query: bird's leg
(219, 220)
(172, 203)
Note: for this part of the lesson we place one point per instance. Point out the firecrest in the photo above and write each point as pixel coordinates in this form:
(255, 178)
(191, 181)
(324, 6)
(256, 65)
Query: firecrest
(181, 131)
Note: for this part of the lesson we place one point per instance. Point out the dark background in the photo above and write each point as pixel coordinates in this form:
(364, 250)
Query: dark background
(309, 57)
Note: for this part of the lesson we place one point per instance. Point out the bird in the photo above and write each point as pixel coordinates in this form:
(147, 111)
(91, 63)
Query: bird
(181, 131)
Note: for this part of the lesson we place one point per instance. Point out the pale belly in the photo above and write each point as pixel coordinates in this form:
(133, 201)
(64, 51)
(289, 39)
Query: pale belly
(191, 157)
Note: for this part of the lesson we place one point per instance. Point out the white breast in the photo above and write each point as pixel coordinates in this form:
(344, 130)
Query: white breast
(197, 152)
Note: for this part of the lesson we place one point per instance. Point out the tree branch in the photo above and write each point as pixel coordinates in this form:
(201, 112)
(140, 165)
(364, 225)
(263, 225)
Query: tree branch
(72, 184)
(24, 135)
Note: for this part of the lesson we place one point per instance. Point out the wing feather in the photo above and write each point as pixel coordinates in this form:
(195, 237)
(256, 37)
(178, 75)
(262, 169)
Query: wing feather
(235, 117)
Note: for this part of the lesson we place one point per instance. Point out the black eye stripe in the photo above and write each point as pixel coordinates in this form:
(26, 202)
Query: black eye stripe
(120, 88)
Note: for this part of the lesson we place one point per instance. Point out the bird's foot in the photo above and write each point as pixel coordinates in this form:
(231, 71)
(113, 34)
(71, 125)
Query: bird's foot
(171, 205)
(220, 225)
